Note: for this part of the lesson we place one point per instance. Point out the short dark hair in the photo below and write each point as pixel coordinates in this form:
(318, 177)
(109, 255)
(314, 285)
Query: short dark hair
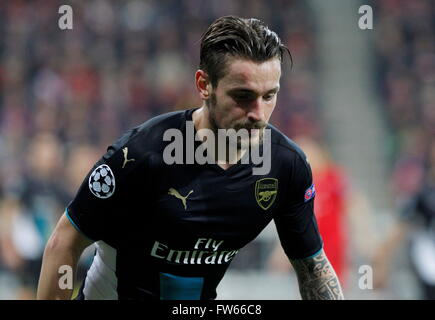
(238, 37)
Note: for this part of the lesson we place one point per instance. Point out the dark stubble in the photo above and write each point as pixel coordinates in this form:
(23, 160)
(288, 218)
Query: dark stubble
(248, 125)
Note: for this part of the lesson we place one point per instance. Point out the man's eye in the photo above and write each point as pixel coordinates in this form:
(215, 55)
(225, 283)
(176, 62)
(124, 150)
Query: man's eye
(269, 97)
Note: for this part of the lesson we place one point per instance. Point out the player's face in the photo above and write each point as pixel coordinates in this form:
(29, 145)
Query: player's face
(246, 96)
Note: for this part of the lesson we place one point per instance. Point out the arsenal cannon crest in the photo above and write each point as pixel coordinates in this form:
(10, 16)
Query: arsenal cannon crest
(265, 192)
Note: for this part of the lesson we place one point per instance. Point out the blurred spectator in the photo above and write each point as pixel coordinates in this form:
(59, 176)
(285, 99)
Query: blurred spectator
(32, 209)
(417, 224)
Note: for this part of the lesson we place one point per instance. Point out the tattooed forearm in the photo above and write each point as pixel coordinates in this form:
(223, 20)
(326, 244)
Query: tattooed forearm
(317, 278)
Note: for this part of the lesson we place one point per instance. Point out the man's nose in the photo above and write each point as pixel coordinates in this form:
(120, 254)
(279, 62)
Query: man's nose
(256, 111)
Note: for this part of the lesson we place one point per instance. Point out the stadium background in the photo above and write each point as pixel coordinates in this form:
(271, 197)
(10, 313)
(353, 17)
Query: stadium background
(360, 102)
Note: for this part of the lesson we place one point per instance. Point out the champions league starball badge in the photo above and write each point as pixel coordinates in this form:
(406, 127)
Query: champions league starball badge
(310, 193)
(102, 182)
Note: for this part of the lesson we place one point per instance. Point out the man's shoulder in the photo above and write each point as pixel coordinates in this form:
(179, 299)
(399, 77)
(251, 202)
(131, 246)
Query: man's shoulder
(172, 119)
(149, 134)
(285, 147)
(143, 141)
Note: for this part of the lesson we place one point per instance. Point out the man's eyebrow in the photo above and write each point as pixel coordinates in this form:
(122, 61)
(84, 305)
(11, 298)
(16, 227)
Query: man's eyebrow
(250, 91)
(241, 90)
(274, 90)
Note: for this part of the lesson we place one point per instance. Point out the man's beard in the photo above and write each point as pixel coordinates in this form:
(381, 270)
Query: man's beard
(248, 125)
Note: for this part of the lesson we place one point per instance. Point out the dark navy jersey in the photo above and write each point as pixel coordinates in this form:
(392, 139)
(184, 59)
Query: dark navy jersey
(170, 231)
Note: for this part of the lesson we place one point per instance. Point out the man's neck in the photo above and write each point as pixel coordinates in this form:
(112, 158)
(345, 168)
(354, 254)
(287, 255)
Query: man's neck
(200, 119)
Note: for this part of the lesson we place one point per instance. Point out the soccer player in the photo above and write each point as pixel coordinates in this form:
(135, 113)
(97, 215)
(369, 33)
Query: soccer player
(169, 230)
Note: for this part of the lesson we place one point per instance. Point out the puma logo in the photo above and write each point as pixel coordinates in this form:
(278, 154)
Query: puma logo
(176, 194)
(125, 151)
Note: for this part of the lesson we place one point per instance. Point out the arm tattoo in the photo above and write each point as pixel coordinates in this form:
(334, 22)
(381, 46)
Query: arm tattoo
(317, 279)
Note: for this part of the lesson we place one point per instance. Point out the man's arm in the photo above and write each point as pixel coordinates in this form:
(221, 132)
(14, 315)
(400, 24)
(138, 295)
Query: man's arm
(64, 247)
(317, 279)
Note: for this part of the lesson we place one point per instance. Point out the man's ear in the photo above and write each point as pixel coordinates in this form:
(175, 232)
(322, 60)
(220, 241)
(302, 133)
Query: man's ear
(203, 84)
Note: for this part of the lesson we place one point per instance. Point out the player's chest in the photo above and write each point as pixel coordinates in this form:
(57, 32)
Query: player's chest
(215, 205)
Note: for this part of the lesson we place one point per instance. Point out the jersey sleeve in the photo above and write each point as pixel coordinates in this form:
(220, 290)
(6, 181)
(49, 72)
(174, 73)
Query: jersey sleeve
(103, 199)
(295, 222)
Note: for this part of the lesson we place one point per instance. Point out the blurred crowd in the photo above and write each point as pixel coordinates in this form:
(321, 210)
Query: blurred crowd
(405, 52)
(65, 95)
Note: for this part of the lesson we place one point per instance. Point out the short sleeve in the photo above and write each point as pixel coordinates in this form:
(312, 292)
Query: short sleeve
(295, 221)
(106, 193)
